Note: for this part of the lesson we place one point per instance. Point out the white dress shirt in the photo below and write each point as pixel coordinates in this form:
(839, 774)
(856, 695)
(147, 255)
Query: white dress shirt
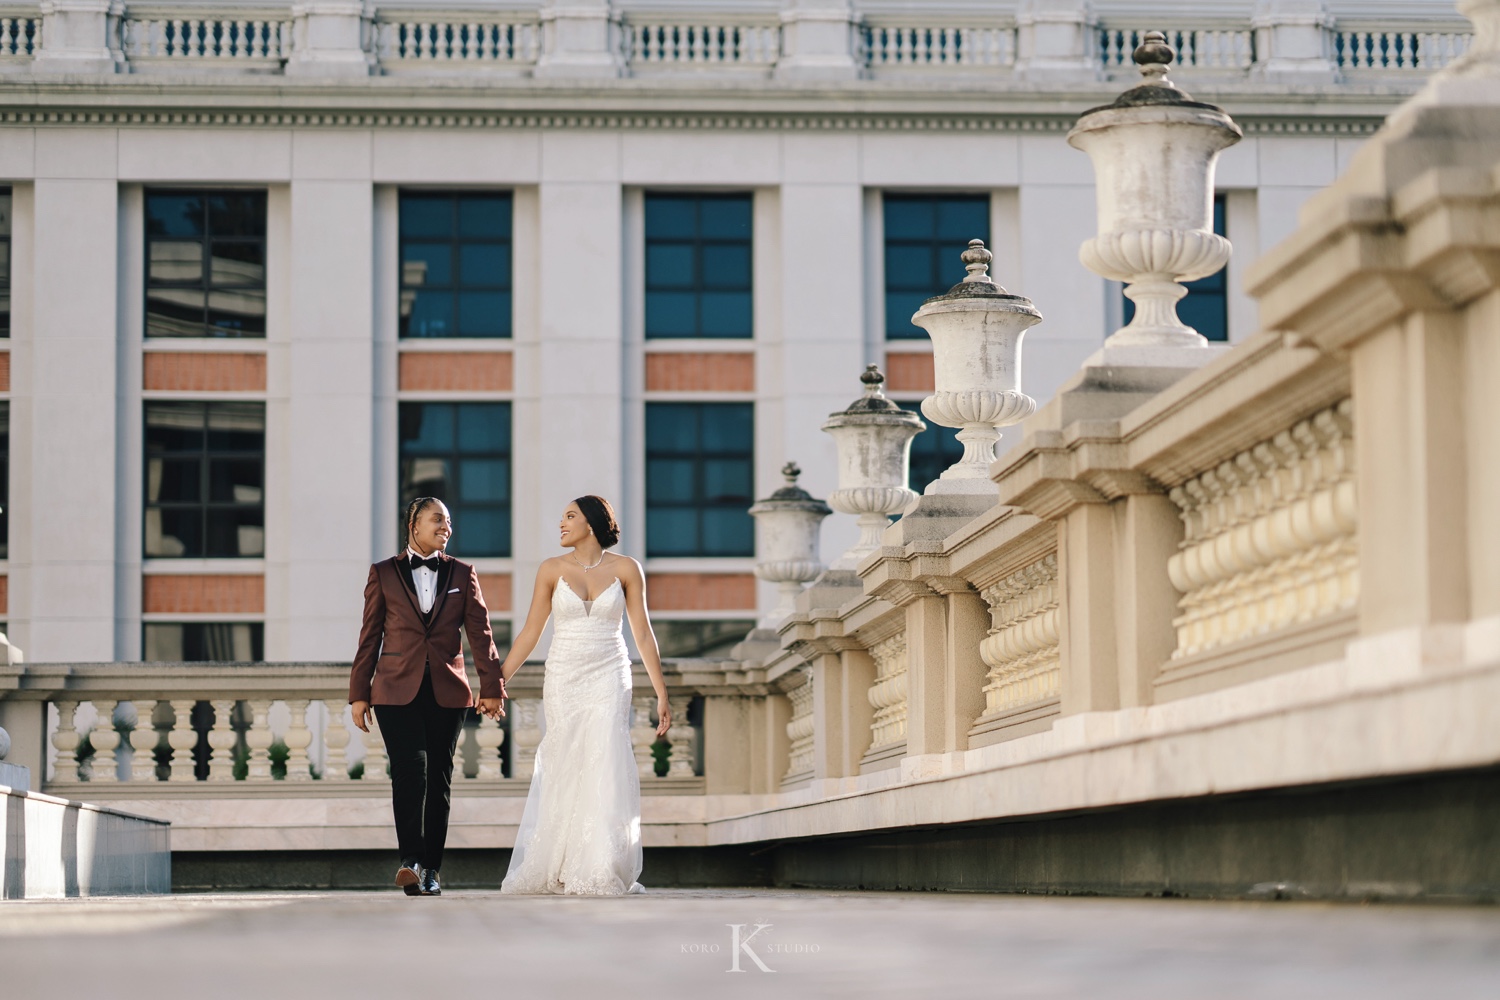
(425, 580)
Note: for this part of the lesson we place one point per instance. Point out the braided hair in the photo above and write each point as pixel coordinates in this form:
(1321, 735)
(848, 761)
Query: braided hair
(601, 517)
(414, 511)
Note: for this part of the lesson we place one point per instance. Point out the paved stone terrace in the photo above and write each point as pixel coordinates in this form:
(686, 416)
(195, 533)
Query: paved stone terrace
(675, 943)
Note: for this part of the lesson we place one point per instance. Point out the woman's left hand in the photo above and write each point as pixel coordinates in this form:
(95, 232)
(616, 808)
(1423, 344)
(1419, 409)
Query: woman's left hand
(664, 716)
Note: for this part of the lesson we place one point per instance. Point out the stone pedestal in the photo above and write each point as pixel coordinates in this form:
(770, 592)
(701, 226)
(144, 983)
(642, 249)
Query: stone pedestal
(580, 38)
(80, 36)
(1056, 41)
(332, 38)
(817, 41)
(1293, 41)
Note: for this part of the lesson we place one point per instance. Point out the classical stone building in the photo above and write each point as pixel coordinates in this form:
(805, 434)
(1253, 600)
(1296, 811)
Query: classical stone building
(274, 268)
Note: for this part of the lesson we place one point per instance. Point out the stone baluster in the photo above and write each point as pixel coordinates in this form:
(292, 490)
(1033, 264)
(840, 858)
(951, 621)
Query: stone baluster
(681, 754)
(259, 740)
(106, 740)
(888, 694)
(67, 740)
(336, 740)
(490, 736)
(182, 739)
(801, 732)
(221, 740)
(298, 738)
(526, 731)
(376, 759)
(143, 741)
(643, 733)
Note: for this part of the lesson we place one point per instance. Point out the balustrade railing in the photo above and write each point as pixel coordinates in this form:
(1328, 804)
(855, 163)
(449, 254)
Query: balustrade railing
(254, 725)
(717, 45)
(428, 42)
(1022, 649)
(1398, 49)
(800, 729)
(888, 695)
(242, 40)
(1271, 536)
(888, 46)
(20, 37)
(1228, 49)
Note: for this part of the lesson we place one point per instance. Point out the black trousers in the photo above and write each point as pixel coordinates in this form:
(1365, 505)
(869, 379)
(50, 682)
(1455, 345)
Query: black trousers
(420, 739)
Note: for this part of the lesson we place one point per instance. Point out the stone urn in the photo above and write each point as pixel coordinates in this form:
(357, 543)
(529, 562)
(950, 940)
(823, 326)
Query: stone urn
(873, 437)
(1154, 151)
(976, 329)
(787, 524)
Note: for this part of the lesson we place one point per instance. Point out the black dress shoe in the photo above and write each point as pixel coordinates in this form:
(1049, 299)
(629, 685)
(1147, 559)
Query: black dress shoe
(409, 878)
(431, 886)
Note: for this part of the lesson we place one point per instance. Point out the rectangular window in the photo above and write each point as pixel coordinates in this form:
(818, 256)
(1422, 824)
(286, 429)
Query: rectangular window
(700, 476)
(205, 263)
(932, 452)
(198, 642)
(698, 267)
(5, 204)
(925, 235)
(4, 480)
(456, 264)
(460, 453)
(691, 639)
(205, 480)
(1206, 306)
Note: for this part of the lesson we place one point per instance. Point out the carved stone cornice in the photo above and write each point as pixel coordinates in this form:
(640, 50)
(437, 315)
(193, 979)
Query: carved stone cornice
(1053, 472)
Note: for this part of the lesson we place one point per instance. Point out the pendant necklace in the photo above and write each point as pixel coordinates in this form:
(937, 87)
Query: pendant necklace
(587, 568)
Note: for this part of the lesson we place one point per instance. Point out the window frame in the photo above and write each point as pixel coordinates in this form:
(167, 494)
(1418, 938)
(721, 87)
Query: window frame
(453, 482)
(456, 240)
(700, 457)
(943, 257)
(205, 456)
(698, 242)
(205, 283)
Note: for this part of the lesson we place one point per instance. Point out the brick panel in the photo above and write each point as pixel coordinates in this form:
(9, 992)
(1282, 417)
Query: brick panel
(4, 371)
(496, 590)
(203, 593)
(700, 591)
(457, 371)
(205, 372)
(706, 372)
(909, 373)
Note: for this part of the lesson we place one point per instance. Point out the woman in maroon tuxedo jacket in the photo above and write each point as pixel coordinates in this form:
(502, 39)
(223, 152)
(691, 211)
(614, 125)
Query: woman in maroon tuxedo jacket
(409, 670)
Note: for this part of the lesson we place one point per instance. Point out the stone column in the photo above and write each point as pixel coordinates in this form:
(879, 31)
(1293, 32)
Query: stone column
(1293, 42)
(332, 38)
(580, 38)
(1057, 41)
(80, 36)
(817, 40)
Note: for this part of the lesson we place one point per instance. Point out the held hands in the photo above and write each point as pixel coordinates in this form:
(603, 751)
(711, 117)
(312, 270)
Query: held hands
(491, 708)
(664, 716)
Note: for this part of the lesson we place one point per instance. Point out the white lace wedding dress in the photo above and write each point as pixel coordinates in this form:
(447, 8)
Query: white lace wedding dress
(581, 830)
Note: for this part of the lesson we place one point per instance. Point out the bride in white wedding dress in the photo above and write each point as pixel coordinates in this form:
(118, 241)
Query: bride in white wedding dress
(581, 830)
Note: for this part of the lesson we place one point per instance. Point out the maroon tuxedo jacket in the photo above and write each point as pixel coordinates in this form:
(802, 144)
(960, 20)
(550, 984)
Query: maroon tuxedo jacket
(397, 642)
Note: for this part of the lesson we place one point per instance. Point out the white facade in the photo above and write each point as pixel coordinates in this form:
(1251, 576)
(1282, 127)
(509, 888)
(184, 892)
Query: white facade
(578, 121)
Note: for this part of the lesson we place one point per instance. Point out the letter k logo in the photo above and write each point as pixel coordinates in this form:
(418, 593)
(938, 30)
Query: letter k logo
(739, 944)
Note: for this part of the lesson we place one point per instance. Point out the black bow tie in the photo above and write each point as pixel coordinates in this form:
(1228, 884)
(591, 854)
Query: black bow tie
(431, 563)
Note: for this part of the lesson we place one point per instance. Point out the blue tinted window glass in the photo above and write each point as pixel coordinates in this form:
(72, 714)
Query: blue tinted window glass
(460, 453)
(459, 244)
(932, 451)
(725, 217)
(671, 314)
(217, 242)
(697, 248)
(175, 215)
(726, 266)
(1206, 306)
(486, 217)
(671, 265)
(483, 314)
(484, 264)
(204, 488)
(426, 216)
(925, 236)
(725, 314)
(425, 265)
(699, 479)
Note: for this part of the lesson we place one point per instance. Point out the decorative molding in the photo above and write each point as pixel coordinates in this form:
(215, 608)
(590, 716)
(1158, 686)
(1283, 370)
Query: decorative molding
(800, 730)
(888, 692)
(1023, 649)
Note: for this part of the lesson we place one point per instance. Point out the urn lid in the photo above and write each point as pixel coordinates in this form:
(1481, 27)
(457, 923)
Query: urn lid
(791, 496)
(979, 285)
(1154, 55)
(874, 403)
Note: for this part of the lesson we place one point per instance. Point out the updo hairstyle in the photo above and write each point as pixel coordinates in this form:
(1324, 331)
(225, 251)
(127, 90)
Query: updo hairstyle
(601, 517)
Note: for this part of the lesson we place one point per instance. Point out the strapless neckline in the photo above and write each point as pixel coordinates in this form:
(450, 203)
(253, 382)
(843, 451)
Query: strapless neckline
(588, 606)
